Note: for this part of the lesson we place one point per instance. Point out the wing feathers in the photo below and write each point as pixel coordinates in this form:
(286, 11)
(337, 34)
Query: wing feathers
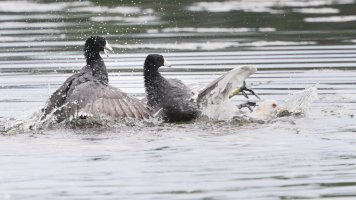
(97, 100)
(220, 88)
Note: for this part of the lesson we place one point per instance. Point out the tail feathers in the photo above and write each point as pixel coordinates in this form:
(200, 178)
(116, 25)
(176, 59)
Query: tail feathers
(219, 90)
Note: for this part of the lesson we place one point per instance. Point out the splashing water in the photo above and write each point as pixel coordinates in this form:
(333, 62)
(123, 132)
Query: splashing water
(225, 110)
(21, 125)
(299, 102)
(33, 122)
(296, 104)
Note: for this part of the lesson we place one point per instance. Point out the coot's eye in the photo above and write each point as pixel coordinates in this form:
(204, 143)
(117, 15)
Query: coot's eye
(274, 105)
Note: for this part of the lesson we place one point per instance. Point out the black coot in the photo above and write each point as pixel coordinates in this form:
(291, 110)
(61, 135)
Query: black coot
(169, 98)
(87, 93)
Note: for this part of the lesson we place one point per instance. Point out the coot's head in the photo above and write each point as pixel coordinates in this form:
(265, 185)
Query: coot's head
(153, 62)
(95, 44)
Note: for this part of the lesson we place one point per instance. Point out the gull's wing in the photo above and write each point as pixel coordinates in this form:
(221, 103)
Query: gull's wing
(219, 90)
(97, 100)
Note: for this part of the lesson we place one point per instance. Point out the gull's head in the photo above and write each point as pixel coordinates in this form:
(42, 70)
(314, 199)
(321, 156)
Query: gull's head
(266, 110)
(268, 106)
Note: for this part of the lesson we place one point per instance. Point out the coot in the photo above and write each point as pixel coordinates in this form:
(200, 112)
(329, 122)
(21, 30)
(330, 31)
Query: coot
(171, 98)
(88, 93)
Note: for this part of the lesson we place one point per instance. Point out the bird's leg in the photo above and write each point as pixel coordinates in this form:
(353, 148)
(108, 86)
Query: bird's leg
(242, 89)
(248, 105)
(249, 90)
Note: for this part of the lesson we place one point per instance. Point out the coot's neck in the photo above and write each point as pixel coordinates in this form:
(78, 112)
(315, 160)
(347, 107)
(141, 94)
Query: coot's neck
(96, 66)
(150, 76)
(92, 59)
(91, 55)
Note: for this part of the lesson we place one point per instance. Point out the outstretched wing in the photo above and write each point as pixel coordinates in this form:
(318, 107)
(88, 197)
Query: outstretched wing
(97, 100)
(58, 98)
(219, 89)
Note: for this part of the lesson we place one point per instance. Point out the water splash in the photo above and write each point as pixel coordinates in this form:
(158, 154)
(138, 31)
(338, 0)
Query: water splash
(33, 122)
(224, 111)
(299, 102)
(23, 124)
(296, 104)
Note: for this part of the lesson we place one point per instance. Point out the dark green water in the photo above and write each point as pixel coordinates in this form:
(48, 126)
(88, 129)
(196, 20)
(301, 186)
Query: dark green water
(294, 44)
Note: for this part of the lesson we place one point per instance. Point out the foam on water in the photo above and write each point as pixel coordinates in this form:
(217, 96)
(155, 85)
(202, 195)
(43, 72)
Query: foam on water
(131, 19)
(21, 125)
(210, 30)
(224, 111)
(277, 43)
(208, 45)
(12, 25)
(296, 104)
(32, 122)
(180, 46)
(23, 17)
(33, 6)
(79, 6)
(228, 6)
(271, 6)
(118, 10)
(349, 18)
(299, 102)
(316, 10)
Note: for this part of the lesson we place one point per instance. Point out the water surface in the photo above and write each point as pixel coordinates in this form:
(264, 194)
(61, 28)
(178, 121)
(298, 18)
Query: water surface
(294, 45)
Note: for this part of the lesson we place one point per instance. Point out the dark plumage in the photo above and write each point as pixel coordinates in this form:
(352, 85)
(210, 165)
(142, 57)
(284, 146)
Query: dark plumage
(170, 97)
(87, 93)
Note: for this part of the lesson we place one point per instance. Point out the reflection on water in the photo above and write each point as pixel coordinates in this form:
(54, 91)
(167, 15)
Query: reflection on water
(294, 44)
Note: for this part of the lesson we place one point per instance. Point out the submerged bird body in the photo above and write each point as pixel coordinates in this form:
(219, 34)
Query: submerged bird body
(88, 93)
(170, 97)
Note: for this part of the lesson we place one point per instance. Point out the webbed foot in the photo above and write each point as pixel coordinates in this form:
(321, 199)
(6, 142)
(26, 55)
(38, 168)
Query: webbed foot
(243, 90)
(248, 105)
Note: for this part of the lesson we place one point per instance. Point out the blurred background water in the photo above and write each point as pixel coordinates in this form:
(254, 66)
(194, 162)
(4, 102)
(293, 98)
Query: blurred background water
(293, 43)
